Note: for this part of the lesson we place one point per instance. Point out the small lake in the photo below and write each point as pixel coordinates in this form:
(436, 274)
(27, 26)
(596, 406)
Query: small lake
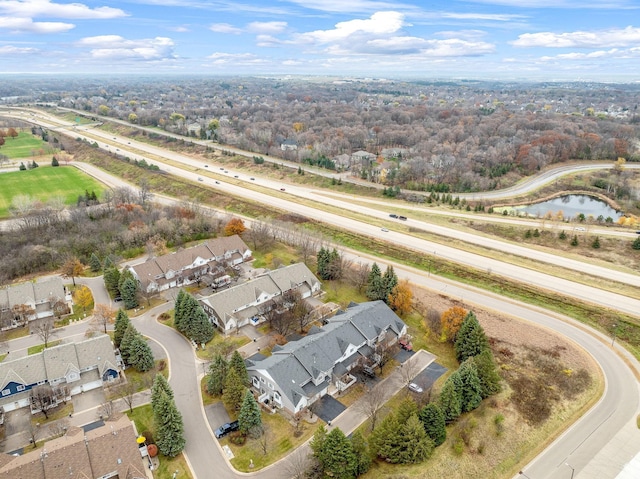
(571, 206)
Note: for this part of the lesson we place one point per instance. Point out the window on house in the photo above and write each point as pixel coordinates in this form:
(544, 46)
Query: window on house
(270, 386)
(276, 396)
(262, 380)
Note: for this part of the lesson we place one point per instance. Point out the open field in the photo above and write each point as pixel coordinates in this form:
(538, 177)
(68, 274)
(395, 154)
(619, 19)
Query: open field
(44, 183)
(25, 145)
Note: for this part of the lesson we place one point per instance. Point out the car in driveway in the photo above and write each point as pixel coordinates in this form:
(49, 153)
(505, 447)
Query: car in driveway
(415, 388)
(226, 429)
(405, 344)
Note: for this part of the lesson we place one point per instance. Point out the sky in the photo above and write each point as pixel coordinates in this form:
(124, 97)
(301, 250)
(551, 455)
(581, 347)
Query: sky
(586, 40)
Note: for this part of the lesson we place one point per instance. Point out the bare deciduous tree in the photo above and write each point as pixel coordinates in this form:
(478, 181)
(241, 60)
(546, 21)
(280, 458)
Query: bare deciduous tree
(358, 275)
(298, 463)
(126, 392)
(371, 404)
(42, 399)
(45, 330)
(103, 315)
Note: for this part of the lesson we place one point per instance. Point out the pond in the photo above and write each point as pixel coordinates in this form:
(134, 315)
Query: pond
(571, 206)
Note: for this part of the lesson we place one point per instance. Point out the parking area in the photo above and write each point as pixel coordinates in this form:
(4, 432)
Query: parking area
(328, 408)
(429, 375)
(216, 415)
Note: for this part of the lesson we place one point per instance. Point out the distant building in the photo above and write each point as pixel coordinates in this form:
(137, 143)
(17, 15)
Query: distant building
(20, 303)
(246, 302)
(190, 265)
(299, 373)
(289, 144)
(79, 367)
(110, 451)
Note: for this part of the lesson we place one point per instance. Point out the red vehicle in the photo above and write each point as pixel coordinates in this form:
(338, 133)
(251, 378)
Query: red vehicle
(405, 344)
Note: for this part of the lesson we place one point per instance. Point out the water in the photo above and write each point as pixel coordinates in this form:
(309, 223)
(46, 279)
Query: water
(571, 206)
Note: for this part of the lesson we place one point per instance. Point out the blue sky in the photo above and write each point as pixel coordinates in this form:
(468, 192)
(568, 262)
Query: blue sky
(494, 39)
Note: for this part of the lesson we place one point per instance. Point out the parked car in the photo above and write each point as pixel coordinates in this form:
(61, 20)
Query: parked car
(368, 370)
(406, 345)
(117, 299)
(226, 429)
(392, 215)
(403, 218)
(415, 388)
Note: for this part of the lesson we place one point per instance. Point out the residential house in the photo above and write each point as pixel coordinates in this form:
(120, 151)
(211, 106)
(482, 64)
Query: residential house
(302, 371)
(362, 159)
(68, 368)
(20, 303)
(237, 306)
(209, 259)
(109, 451)
(288, 145)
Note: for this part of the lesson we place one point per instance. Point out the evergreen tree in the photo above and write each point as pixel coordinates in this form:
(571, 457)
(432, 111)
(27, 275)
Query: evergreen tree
(406, 409)
(111, 279)
(140, 354)
(217, 375)
(375, 288)
(337, 458)
(94, 263)
(127, 339)
(108, 263)
(471, 388)
(471, 339)
(121, 324)
(487, 373)
(574, 240)
(233, 390)
(562, 235)
(636, 243)
(384, 436)
(129, 292)
(125, 274)
(170, 431)
(249, 417)
(178, 310)
(450, 400)
(237, 363)
(432, 419)
(317, 442)
(596, 243)
(362, 453)
(199, 328)
(54, 162)
(160, 386)
(389, 281)
(415, 446)
(322, 259)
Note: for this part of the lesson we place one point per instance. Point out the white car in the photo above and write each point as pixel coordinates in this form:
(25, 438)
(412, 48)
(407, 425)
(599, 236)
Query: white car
(580, 228)
(415, 388)
(385, 230)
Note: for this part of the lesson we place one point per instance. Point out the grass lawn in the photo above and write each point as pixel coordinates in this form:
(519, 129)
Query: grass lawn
(44, 183)
(142, 416)
(25, 145)
(40, 347)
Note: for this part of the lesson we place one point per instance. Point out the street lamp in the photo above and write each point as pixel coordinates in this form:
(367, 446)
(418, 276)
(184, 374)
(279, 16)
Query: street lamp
(571, 467)
(614, 336)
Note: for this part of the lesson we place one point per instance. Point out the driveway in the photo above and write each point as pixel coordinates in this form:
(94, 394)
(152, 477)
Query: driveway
(429, 375)
(328, 408)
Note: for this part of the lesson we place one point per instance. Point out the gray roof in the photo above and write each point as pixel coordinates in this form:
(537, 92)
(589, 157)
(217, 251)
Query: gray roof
(295, 364)
(59, 359)
(31, 292)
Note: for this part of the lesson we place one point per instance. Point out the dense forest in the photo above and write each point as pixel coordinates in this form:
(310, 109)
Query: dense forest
(444, 136)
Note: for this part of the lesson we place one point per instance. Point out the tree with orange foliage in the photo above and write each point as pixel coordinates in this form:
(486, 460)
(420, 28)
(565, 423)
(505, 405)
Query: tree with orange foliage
(401, 298)
(83, 298)
(72, 268)
(451, 320)
(103, 315)
(235, 226)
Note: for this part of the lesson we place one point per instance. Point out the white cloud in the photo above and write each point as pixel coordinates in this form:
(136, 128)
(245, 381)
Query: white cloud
(464, 34)
(46, 8)
(115, 47)
(379, 23)
(614, 37)
(266, 27)
(180, 29)
(599, 54)
(225, 28)
(570, 4)
(268, 41)
(27, 25)
(430, 48)
(350, 6)
(220, 58)
(10, 50)
(481, 16)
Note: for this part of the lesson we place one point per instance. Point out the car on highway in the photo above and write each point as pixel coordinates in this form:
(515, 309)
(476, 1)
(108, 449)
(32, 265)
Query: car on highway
(222, 168)
(236, 176)
(217, 182)
(200, 178)
(206, 166)
(393, 215)
(384, 229)
(579, 228)
(252, 179)
(415, 388)
(281, 189)
(638, 232)
(226, 429)
(403, 218)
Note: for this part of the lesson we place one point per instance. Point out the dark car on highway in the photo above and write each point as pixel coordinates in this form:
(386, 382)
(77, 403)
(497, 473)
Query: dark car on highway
(226, 429)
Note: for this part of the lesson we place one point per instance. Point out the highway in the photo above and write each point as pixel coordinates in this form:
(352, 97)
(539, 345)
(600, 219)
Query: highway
(579, 446)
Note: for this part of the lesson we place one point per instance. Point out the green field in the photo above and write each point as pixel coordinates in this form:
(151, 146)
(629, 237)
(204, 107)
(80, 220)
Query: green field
(25, 145)
(46, 182)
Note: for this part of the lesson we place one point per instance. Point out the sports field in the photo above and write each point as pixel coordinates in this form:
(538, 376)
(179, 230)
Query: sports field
(46, 182)
(25, 145)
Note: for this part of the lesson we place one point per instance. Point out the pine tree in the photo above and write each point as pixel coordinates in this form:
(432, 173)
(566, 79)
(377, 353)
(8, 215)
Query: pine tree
(178, 310)
(217, 375)
(237, 363)
(432, 419)
(471, 339)
(233, 390)
(361, 450)
(249, 417)
(487, 373)
(125, 344)
(111, 279)
(108, 263)
(384, 436)
(125, 274)
(140, 354)
(94, 263)
(54, 162)
(322, 259)
(170, 431)
(450, 399)
(337, 458)
(121, 324)
(389, 281)
(415, 446)
(317, 442)
(199, 327)
(636, 243)
(406, 409)
(160, 386)
(471, 388)
(596, 243)
(129, 292)
(375, 288)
